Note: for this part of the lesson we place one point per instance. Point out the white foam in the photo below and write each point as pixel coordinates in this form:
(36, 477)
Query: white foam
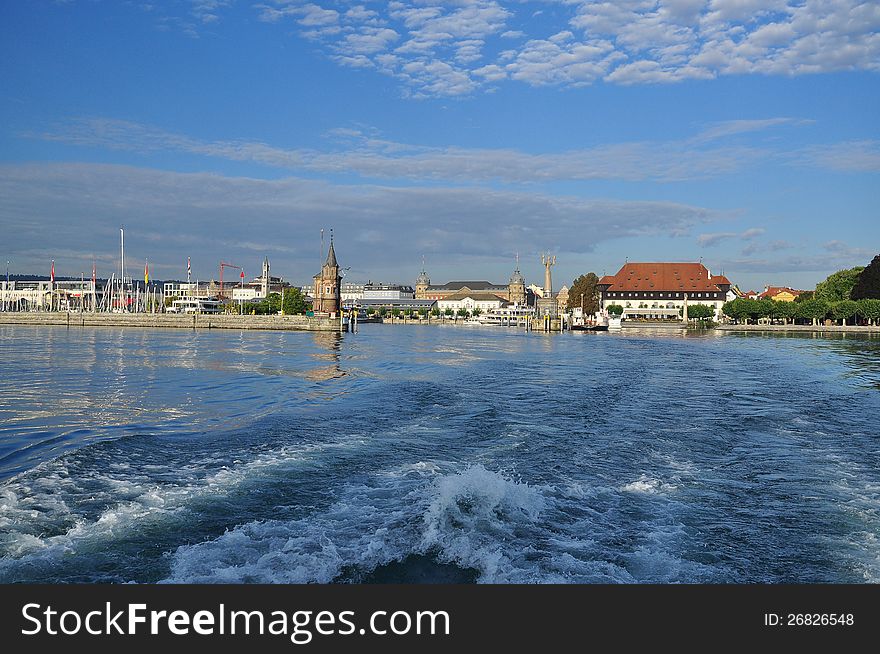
(649, 485)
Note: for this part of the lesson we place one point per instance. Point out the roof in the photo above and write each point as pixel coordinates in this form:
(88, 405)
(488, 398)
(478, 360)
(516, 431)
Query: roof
(663, 276)
(331, 257)
(479, 296)
(482, 285)
(772, 291)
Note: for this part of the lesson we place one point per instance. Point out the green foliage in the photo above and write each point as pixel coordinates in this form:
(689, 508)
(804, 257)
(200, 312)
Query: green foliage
(736, 309)
(462, 312)
(476, 312)
(423, 312)
(382, 311)
(449, 311)
(294, 302)
(812, 310)
(585, 284)
(700, 311)
(844, 310)
(837, 287)
(614, 310)
(868, 284)
(869, 308)
(806, 295)
(395, 313)
(435, 311)
(784, 310)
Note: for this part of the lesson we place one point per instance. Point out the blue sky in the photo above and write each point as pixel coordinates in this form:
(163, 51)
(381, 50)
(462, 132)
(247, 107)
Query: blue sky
(739, 131)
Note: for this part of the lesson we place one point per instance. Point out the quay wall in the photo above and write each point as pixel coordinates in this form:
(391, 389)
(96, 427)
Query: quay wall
(178, 321)
(845, 329)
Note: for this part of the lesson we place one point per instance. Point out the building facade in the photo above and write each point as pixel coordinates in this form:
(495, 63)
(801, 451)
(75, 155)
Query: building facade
(662, 290)
(470, 300)
(328, 285)
(779, 294)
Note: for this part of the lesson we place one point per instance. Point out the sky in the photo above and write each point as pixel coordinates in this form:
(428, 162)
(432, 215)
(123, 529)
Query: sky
(743, 133)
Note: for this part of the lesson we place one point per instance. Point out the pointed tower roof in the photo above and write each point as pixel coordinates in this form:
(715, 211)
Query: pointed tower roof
(331, 256)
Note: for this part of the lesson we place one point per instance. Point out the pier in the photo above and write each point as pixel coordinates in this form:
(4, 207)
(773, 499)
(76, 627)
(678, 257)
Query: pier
(175, 321)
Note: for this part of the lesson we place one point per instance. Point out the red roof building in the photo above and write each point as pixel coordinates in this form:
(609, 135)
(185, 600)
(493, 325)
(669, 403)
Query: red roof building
(660, 290)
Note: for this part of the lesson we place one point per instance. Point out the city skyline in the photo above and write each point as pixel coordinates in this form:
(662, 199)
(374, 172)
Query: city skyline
(739, 132)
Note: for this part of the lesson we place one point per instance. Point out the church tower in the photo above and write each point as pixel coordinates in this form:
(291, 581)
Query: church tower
(516, 288)
(265, 279)
(422, 283)
(328, 284)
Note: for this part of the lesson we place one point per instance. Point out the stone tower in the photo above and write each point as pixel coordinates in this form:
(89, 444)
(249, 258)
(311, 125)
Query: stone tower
(422, 283)
(328, 284)
(264, 287)
(516, 288)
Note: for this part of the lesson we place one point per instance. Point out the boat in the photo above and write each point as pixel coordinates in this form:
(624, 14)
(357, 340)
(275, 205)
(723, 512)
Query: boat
(589, 328)
(510, 316)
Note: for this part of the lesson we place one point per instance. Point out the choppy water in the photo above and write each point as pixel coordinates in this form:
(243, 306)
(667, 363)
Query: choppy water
(437, 454)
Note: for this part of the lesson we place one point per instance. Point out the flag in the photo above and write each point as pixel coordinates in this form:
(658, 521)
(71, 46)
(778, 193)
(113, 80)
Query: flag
(146, 273)
(52, 275)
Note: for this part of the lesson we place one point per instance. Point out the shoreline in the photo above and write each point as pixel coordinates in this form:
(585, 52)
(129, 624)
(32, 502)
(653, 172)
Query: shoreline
(173, 321)
(837, 329)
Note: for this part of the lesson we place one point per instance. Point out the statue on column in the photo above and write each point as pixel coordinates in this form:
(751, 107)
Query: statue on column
(548, 261)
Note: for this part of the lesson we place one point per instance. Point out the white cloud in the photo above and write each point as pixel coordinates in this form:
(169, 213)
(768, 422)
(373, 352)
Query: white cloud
(708, 240)
(623, 42)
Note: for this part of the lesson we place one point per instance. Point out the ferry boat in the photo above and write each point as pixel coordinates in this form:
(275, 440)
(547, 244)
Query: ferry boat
(511, 316)
(194, 305)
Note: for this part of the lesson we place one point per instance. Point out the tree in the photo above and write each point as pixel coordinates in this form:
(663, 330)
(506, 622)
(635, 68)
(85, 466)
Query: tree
(435, 312)
(462, 312)
(803, 297)
(844, 310)
(615, 309)
(423, 312)
(868, 284)
(869, 309)
(700, 311)
(395, 313)
(449, 312)
(477, 311)
(838, 286)
(785, 311)
(294, 302)
(812, 310)
(736, 309)
(585, 284)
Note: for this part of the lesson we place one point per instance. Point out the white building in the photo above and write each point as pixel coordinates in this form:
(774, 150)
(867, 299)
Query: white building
(374, 291)
(471, 300)
(659, 291)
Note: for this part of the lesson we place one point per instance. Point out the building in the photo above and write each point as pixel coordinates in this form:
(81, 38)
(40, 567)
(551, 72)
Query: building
(660, 291)
(470, 300)
(377, 291)
(562, 298)
(351, 293)
(517, 292)
(328, 285)
(779, 294)
(514, 291)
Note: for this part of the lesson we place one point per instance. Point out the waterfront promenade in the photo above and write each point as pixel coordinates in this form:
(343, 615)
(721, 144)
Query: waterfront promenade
(178, 321)
(836, 329)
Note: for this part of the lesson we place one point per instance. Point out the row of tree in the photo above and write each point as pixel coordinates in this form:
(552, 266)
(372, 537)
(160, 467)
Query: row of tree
(812, 310)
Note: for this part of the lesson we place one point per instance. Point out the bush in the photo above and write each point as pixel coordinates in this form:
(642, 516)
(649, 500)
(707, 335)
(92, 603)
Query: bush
(614, 310)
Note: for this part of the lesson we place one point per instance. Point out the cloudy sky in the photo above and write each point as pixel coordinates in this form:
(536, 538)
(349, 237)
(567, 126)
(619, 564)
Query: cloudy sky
(742, 132)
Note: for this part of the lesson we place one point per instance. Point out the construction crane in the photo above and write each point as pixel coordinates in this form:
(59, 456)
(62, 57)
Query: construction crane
(223, 265)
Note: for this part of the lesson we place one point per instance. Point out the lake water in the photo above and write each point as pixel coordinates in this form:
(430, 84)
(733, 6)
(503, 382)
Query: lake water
(406, 453)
